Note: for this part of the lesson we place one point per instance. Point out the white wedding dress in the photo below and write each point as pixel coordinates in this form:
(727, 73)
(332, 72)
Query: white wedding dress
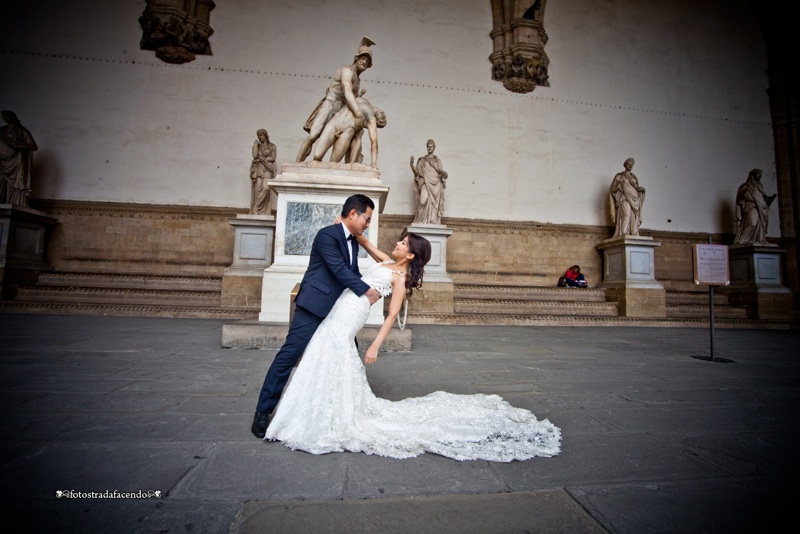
(328, 405)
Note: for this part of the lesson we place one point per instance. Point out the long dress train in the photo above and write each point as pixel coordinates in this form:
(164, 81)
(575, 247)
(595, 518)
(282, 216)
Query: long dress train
(328, 405)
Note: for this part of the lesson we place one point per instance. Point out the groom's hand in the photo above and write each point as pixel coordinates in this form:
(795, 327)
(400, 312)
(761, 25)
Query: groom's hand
(373, 296)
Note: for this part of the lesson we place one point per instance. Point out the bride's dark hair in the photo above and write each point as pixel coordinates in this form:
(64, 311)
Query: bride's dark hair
(421, 249)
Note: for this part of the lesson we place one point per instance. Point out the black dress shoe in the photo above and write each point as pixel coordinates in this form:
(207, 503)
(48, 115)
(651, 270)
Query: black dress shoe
(260, 423)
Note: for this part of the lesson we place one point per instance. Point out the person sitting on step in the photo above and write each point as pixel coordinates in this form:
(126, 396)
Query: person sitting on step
(572, 278)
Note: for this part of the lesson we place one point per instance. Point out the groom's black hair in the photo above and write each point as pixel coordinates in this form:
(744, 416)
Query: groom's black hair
(359, 202)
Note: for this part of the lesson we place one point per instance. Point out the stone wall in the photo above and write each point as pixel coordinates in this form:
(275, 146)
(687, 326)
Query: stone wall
(198, 241)
(139, 238)
(500, 252)
(649, 80)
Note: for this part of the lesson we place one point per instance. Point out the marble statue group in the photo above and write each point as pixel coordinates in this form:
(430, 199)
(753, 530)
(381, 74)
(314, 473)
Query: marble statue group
(340, 117)
(336, 126)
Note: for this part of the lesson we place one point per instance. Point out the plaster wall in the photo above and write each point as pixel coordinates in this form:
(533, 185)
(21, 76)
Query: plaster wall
(680, 86)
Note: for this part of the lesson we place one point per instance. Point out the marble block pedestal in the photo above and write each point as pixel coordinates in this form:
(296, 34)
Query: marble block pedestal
(252, 253)
(23, 243)
(756, 281)
(436, 295)
(309, 197)
(629, 276)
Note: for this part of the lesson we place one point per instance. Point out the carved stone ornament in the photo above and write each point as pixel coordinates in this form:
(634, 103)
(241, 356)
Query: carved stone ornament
(177, 29)
(519, 59)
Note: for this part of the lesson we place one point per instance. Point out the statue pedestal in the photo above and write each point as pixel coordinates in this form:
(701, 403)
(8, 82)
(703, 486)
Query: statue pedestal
(252, 253)
(756, 281)
(436, 295)
(309, 197)
(23, 243)
(629, 276)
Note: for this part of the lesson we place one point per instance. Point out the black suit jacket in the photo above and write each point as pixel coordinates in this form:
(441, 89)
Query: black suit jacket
(329, 272)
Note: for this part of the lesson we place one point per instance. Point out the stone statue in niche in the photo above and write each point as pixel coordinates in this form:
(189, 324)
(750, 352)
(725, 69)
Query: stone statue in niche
(752, 210)
(342, 91)
(343, 132)
(262, 170)
(176, 29)
(626, 198)
(430, 180)
(16, 160)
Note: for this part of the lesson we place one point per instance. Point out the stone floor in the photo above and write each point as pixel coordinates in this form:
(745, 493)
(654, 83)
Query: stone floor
(654, 440)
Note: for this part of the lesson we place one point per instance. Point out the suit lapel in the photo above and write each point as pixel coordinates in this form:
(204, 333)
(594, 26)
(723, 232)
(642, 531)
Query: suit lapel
(347, 248)
(354, 264)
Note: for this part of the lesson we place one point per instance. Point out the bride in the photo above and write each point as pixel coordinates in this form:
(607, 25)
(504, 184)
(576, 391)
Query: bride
(328, 405)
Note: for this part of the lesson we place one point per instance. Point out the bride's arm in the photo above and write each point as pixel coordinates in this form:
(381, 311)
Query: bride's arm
(398, 294)
(372, 250)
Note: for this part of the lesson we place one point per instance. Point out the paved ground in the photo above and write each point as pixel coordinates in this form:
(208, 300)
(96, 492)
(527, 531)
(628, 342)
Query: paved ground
(653, 439)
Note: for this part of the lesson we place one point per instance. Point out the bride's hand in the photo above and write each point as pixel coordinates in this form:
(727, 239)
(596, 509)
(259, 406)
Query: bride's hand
(338, 219)
(371, 355)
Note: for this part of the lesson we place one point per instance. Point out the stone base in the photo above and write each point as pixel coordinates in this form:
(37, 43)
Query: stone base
(629, 259)
(434, 297)
(638, 301)
(260, 335)
(252, 253)
(764, 304)
(757, 283)
(436, 234)
(23, 242)
(629, 276)
(277, 285)
(241, 290)
(756, 266)
(309, 197)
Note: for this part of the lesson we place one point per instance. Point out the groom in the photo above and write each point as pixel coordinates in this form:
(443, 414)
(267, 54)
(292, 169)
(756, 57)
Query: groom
(332, 267)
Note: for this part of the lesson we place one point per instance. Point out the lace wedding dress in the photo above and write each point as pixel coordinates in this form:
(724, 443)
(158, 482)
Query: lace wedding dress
(328, 405)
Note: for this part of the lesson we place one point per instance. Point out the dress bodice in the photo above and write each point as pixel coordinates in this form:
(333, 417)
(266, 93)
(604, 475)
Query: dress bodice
(379, 277)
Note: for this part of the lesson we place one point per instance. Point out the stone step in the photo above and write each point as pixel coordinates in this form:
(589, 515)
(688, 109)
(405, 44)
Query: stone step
(517, 292)
(698, 298)
(88, 309)
(170, 296)
(552, 320)
(117, 296)
(129, 281)
(126, 295)
(504, 307)
(720, 312)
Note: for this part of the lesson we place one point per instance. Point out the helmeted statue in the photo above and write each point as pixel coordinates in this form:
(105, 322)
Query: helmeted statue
(342, 91)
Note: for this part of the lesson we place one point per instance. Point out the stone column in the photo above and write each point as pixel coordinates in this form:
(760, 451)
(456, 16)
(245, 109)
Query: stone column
(252, 253)
(757, 281)
(436, 295)
(629, 276)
